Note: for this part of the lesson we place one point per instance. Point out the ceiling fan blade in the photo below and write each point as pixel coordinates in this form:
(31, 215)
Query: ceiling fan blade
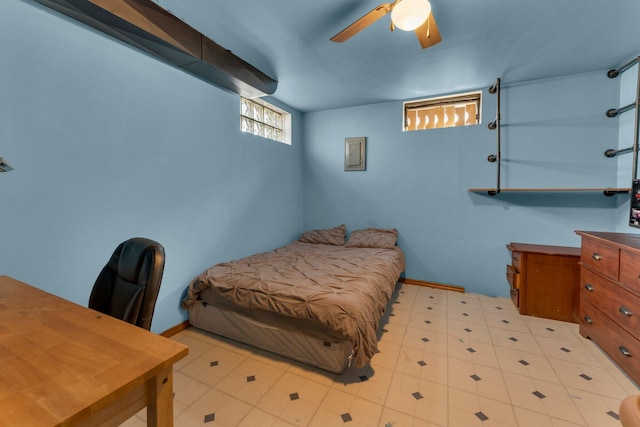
(428, 33)
(362, 23)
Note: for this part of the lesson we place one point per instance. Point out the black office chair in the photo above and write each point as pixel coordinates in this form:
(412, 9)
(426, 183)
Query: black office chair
(127, 287)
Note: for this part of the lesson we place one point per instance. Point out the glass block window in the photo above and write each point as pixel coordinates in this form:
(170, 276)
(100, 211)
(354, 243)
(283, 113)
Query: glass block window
(263, 119)
(442, 112)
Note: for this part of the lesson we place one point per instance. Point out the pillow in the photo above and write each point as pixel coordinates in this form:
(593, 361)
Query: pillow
(328, 236)
(373, 238)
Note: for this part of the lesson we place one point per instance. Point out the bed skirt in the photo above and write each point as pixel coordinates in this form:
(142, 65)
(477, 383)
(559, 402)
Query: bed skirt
(333, 356)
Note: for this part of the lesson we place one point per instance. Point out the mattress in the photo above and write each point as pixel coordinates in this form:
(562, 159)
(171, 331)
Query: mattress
(329, 293)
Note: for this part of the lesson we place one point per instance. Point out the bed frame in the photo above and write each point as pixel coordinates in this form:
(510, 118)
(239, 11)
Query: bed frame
(331, 355)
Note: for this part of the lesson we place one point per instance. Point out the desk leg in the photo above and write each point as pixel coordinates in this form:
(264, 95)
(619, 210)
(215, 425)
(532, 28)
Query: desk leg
(160, 407)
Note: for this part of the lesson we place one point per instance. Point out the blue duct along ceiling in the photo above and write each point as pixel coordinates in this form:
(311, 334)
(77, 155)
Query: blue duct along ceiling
(148, 27)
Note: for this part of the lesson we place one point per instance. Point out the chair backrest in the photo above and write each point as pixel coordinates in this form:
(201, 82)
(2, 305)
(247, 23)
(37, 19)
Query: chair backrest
(127, 287)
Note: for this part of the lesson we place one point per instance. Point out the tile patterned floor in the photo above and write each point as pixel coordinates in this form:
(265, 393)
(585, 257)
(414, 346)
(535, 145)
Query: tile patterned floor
(446, 359)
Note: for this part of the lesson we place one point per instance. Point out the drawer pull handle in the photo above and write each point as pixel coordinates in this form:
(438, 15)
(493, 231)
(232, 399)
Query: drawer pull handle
(597, 256)
(625, 351)
(589, 287)
(588, 319)
(624, 310)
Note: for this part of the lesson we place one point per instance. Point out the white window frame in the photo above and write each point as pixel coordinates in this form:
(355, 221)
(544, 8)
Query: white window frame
(262, 129)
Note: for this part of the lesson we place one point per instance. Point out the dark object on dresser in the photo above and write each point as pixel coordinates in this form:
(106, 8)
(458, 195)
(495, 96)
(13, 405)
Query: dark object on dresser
(545, 280)
(127, 287)
(610, 296)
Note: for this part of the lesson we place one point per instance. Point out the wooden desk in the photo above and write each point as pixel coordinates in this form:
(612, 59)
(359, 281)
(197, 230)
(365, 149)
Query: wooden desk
(545, 280)
(62, 364)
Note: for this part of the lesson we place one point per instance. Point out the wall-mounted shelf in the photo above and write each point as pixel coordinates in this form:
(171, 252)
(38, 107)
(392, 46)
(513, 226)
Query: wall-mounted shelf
(614, 112)
(605, 191)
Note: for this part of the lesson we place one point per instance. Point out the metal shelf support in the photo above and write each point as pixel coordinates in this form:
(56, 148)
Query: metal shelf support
(613, 112)
(495, 125)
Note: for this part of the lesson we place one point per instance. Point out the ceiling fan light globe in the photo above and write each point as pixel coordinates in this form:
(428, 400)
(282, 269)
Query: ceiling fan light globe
(410, 14)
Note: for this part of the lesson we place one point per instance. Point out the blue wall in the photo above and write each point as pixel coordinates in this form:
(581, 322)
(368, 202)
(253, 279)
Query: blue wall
(108, 143)
(554, 133)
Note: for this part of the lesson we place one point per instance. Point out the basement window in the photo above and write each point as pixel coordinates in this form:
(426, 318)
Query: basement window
(443, 112)
(263, 119)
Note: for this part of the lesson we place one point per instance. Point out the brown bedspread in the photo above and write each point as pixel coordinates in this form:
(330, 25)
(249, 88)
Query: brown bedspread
(344, 289)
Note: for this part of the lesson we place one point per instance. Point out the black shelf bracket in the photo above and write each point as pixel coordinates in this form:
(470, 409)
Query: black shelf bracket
(614, 112)
(495, 125)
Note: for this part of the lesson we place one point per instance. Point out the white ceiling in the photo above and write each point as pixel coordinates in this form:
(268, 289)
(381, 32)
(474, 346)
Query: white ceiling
(517, 40)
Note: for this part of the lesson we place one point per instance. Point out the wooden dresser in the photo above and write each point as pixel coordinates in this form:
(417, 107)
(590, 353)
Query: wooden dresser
(545, 280)
(610, 296)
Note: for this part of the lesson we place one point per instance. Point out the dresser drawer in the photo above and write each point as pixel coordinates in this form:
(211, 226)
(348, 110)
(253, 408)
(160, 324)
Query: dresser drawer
(630, 270)
(601, 257)
(594, 287)
(621, 346)
(515, 297)
(516, 260)
(513, 277)
(620, 305)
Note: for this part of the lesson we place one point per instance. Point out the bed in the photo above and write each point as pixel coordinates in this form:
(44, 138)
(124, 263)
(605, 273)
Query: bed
(318, 300)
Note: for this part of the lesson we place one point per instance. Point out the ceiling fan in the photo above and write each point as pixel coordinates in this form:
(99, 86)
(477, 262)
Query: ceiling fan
(408, 15)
